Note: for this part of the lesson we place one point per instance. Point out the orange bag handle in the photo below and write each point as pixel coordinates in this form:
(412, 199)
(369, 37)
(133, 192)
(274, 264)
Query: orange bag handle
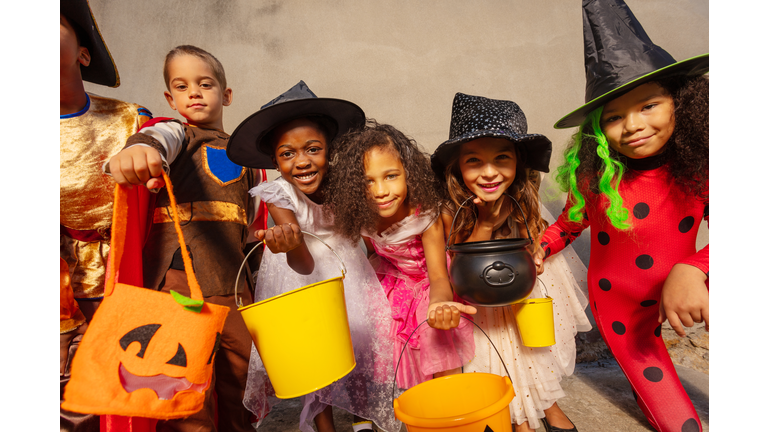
(119, 224)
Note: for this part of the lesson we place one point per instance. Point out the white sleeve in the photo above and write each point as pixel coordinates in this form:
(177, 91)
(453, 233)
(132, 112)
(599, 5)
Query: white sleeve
(170, 134)
(274, 193)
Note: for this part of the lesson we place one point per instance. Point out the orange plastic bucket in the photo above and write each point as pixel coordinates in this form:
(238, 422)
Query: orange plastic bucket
(471, 402)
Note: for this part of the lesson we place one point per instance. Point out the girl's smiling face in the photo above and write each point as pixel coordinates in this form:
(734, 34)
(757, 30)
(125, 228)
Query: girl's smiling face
(385, 179)
(639, 123)
(301, 156)
(488, 166)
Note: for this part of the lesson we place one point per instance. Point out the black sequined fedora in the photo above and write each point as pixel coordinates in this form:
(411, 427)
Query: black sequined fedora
(246, 144)
(474, 117)
(619, 56)
(102, 69)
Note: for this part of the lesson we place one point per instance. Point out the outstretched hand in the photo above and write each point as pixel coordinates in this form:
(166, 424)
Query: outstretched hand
(445, 315)
(684, 298)
(281, 238)
(137, 165)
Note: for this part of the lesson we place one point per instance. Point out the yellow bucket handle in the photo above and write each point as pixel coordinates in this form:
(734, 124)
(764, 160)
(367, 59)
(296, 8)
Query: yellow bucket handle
(343, 267)
(394, 384)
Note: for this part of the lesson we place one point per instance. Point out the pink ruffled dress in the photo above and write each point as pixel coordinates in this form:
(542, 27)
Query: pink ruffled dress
(402, 270)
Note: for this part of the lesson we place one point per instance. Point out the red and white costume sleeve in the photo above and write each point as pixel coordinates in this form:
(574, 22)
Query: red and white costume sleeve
(627, 270)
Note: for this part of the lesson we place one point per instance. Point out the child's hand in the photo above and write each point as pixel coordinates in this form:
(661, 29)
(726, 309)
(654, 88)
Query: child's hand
(281, 238)
(538, 259)
(684, 298)
(137, 165)
(445, 315)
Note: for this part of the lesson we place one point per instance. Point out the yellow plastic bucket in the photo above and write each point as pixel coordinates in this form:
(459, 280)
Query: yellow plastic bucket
(302, 336)
(535, 320)
(471, 402)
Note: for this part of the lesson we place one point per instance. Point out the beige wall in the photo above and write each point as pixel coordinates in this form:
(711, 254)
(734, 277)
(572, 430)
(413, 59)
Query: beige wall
(401, 61)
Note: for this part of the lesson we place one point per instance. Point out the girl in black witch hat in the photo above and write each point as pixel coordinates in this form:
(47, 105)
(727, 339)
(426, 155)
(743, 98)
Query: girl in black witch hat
(296, 133)
(637, 173)
(489, 153)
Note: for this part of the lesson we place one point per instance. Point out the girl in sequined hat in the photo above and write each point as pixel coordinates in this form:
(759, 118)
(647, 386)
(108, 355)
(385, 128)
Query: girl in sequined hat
(637, 172)
(489, 153)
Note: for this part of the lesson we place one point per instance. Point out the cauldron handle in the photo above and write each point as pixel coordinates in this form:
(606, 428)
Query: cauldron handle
(394, 384)
(239, 301)
(450, 233)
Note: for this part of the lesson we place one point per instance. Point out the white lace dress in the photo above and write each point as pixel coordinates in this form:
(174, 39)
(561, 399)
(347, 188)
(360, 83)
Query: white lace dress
(536, 372)
(367, 390)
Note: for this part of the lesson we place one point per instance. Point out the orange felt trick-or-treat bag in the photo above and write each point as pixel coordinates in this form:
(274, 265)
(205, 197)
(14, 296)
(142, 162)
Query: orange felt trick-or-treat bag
(145, 353)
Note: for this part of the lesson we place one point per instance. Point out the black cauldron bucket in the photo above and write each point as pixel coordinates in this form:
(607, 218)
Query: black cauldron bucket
(493, 272)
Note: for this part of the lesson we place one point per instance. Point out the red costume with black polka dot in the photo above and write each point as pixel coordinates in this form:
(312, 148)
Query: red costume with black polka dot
(627, 270)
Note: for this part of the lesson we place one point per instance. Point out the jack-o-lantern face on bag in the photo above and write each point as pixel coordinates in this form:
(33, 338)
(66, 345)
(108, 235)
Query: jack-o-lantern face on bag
(167, 383)
(157, 365)
(145, 353)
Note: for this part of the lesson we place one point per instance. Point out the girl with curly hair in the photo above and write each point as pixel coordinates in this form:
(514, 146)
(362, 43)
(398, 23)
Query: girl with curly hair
(489, 157)
(637, 173)
(382, 186)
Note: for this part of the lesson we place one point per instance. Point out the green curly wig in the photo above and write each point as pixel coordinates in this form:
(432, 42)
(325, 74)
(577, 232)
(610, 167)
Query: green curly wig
(611, 171)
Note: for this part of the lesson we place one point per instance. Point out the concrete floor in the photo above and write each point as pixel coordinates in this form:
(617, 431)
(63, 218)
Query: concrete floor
(598, 398)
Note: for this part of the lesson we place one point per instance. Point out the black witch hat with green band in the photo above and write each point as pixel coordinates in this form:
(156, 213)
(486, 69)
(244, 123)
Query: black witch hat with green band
(619, 56)
(102, 69)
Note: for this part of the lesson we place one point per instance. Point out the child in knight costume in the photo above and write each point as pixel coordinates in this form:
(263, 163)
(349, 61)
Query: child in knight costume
(218, 216)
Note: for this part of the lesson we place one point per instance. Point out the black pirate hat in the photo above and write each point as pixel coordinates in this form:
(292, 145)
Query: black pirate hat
(247, 145)
(619, 56)
(474, 117)
(102, 69)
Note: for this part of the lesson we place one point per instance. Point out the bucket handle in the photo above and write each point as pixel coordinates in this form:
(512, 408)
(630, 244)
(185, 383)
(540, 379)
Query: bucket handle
(472, 197)
(543, 288)
(239, 301)
(394, 383)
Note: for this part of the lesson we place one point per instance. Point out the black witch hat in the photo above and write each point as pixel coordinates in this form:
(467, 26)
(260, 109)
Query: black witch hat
(247, 145)
(102, 69)
(619, 56)
(474, 117)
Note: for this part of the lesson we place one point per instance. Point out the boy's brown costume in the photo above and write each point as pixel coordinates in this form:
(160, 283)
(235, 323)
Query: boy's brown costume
(88, 139)
(216, 211)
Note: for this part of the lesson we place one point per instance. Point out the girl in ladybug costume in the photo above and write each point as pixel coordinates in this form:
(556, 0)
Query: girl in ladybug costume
(637, 172)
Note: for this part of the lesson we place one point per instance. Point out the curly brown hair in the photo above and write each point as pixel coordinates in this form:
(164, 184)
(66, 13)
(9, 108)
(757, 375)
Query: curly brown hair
(524, 188)
(346, 196)
(687, 150)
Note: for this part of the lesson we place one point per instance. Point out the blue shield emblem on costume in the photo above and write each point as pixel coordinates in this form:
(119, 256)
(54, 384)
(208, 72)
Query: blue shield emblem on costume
(219, 167)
